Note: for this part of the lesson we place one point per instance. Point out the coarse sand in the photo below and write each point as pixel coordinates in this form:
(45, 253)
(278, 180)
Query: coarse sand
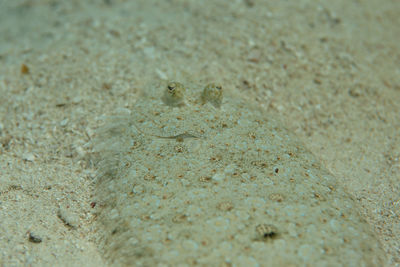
(328, 73)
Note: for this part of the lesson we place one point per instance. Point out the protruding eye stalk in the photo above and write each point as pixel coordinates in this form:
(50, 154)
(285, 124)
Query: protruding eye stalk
(174, 94)
(171, 87)
(212, 93)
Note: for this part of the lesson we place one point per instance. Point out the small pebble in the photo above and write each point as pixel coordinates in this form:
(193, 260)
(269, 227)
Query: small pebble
(34, 238)
(68, 218)
(24, 69)
(64, 122)
(28, 157)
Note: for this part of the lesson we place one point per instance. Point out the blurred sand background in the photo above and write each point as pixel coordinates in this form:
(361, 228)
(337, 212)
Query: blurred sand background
(330, 71)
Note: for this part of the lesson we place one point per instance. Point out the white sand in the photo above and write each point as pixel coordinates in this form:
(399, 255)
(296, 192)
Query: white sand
(330, 72)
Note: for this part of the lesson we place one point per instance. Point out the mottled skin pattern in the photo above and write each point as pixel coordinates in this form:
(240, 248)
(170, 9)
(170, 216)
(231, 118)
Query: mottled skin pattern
(237, 190)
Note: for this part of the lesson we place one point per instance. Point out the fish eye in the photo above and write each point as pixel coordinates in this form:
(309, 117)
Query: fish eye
(174, 94)
(212, 93)
(171, 86)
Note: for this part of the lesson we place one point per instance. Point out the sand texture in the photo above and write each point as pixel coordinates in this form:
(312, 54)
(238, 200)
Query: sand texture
(315, 84)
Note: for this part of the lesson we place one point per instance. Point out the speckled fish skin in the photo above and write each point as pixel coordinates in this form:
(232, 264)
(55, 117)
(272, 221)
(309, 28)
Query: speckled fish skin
(247, 193)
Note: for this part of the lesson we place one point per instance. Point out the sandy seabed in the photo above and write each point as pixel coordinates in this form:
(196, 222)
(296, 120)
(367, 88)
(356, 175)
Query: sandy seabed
(328, 71)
